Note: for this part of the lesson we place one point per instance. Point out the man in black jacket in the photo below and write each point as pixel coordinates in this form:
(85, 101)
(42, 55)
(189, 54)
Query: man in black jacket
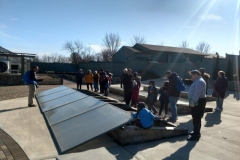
(128, 85)
(32, 87)
(173, 93)
(78, 78)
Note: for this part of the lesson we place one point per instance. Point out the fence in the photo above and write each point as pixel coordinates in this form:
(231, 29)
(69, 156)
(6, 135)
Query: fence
(117, 68)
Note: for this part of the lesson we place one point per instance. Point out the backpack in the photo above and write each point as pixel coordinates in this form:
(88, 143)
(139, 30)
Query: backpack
(26, 78)
(180, 85)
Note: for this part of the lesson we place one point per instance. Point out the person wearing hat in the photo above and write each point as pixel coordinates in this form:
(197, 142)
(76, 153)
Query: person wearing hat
(78, 78)
(146, 116)
(205, 76)
(197, 102)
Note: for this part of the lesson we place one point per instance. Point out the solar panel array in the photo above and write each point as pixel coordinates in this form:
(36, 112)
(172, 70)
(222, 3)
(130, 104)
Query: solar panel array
(75, 118)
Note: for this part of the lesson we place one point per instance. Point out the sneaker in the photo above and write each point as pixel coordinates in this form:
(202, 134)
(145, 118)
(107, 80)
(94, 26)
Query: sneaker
(32, 105)
(171, 120)
(192, 134)
(193, 138)
(165, 116)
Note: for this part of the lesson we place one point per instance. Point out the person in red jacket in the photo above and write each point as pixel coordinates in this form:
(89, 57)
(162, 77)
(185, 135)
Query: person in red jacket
(135, 94)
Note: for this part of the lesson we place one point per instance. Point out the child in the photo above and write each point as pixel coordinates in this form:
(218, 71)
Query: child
(146, 117)
(106, 83)
(135, 94)
(164, 100)
(152, 96)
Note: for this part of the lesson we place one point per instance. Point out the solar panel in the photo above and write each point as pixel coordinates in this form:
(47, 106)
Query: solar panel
(75, 118)
(70, 98)
(72, 109)
(50, 91)
(55, 95)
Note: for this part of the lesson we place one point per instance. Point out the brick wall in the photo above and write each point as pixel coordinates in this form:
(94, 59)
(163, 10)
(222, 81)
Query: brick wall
(6, 79)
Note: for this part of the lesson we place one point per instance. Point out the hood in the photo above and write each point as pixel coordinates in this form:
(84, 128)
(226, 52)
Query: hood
(205, 75)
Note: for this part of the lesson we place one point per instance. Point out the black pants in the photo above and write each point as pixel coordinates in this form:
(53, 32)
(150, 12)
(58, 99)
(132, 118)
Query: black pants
(106, 91)
(79, 83)
(197, 114)
(128, 97)
(89, 84)
(163, 105)
(102, 87)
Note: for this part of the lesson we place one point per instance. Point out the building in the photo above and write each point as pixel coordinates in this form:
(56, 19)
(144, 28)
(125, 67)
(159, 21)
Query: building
(156, 53)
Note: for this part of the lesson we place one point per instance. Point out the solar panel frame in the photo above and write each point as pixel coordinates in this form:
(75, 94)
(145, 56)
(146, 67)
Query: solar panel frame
(52, 127)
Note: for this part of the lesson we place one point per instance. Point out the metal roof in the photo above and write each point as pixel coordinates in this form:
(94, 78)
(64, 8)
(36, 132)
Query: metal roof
(168, 49)
(4, 50)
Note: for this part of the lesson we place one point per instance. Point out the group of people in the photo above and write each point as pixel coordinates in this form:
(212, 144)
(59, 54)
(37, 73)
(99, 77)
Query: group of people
(170, 93)
(94, 80)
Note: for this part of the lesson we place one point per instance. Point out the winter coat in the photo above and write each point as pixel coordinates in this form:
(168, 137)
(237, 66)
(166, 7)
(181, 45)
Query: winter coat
(88, 78)
(163, 95)
(220, 87)
(127, 83)
(79, 76)
(152, 95)
(172, 86)
(138, 80)
(206, 77)
(106, 82)
(96, 78)
(102, 77)
(122, 77)
(135, 93)
(146, 117)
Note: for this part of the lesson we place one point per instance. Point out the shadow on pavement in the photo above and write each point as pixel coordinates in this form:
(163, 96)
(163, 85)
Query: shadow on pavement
(12, 109)
(183, 152)
(213, 119)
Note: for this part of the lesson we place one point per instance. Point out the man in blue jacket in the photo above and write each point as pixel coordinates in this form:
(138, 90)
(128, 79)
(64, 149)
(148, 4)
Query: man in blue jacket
(32, 86)
(146, 116)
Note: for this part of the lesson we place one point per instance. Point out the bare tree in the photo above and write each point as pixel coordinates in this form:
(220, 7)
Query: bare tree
(203, 47)
(98, 57)
(88, 55)
(36, 59)
(139, 39)
(75, 49)
(184, 44)
(111, 43)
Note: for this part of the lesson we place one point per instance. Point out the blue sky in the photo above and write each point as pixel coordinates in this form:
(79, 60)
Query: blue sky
(42, 26)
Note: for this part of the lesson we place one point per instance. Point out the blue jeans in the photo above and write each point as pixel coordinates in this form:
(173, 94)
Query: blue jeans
(96, 86)
(219, 102)
(173, 102)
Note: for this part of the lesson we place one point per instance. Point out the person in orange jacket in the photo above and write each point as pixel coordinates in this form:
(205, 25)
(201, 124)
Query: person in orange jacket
(89, 79)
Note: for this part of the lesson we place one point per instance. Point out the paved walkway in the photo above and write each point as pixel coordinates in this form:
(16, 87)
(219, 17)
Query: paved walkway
(9, 149)
(220, 136)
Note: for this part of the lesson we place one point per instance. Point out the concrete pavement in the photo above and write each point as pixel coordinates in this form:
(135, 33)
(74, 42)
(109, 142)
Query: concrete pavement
(220, 136)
